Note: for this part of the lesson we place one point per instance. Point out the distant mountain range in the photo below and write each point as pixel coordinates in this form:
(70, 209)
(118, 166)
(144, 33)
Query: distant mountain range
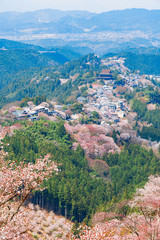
(56, 21)
(97, 32)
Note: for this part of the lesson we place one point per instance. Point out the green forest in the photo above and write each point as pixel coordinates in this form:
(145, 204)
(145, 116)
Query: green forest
(77, 191)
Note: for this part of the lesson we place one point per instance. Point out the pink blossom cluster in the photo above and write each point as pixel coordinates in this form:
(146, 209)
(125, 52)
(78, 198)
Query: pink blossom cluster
(113, 230)
(92, 138)
(149, 196)
(49, 226)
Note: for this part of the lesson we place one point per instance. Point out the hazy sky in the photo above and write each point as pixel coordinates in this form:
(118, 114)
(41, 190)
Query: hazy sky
(90, 5)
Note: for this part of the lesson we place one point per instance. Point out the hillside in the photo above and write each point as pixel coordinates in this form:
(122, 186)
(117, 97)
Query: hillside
(58, 54)
(30, 73)
(146, 64)
(15, 60)
(145, 60)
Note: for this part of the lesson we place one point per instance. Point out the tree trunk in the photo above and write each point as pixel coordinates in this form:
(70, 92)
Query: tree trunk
(66, 211)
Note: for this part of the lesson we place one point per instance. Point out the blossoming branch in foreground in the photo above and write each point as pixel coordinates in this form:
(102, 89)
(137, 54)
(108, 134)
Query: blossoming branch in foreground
(16, 183)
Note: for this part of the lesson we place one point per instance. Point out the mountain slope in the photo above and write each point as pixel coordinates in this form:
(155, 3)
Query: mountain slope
(127, 20)
(145, 60)
(32, 55)
(8, 44)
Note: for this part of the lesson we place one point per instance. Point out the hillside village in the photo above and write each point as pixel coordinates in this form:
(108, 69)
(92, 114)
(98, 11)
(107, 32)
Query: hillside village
(105, 99)
(100, 97)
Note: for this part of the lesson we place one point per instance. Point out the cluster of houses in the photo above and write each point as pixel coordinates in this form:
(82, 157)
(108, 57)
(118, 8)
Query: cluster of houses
(101, 98)
(132, 80)
(109, 107)
(32, 112)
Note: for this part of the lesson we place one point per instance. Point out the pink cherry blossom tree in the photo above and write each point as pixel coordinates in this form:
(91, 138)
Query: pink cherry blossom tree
(147, 200)
(93, 139)
(16, 184)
